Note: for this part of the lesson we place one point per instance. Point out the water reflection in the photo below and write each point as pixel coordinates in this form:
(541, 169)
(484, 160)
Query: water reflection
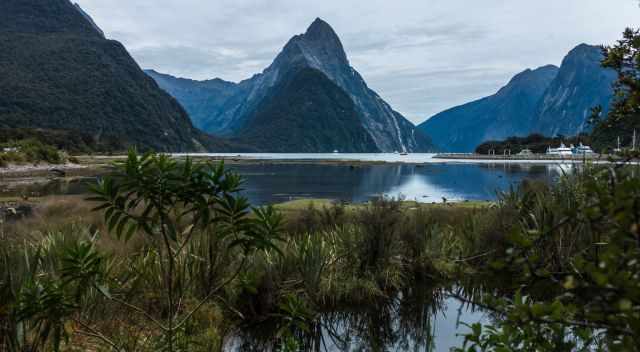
(272, 183)
(416, 319)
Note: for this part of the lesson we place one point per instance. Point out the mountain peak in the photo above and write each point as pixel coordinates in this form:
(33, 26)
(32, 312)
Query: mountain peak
(585, 46)
(582, 52)
(319, 30)
(319, 47)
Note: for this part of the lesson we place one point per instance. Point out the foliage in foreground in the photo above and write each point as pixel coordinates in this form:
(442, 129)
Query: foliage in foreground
(557, 265)
(574, 265)
(171, 208)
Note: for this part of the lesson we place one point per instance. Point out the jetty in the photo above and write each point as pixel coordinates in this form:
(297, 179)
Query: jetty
(523, 157)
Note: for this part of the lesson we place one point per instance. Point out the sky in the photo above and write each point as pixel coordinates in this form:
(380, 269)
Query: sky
(421, 56)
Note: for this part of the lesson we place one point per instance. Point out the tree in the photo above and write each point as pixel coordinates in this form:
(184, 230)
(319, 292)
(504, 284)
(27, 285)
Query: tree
(573, 263)
(624, 115)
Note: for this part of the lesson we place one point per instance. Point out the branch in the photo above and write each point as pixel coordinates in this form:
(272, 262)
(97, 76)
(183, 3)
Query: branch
(131, 306)
(212, 293)
(96, 334)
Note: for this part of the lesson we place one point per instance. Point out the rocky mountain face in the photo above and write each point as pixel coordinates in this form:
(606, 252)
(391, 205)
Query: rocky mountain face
(57, 71)
(548, 100)
(307, 112)
(580, 85)
(509, 112)
(319, 49)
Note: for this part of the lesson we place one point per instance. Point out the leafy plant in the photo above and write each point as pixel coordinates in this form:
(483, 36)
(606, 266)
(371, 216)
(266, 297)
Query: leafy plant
(574, 262)
(170, 203)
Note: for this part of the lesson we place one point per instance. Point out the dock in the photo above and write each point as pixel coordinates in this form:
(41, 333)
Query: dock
(528, 157)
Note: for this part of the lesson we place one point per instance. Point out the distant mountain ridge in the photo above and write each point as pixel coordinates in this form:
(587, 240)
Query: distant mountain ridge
(320, 49)
(507, 113)
(199, 98)
(581, 84)
(57, 71)
(548, 100)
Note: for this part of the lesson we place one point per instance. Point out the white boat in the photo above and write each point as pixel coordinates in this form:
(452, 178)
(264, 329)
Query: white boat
(582, 150)
(562, 150)
(336, 152)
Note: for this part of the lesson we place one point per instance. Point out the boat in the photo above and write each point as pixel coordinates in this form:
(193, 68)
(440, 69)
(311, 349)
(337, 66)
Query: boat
(582, 149)
(336, 152)
(561, 150)
(404, 153)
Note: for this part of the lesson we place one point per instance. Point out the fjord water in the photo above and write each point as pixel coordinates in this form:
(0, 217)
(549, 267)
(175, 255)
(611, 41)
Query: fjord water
(274, 183)
(274, 178)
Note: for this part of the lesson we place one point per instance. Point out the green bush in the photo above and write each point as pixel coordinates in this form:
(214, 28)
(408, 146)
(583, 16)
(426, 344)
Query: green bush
(31, 151)
(572, 265)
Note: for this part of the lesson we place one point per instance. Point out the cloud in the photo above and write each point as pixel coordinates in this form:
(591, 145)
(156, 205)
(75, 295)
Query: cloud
(422, 56)
(429, 34)
(208, 62)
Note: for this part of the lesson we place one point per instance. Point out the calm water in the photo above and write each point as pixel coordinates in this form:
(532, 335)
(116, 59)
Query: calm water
(430, 182)
(269, 183)
(427, 321)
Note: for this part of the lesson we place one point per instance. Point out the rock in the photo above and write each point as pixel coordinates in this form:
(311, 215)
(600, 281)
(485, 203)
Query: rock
(58, 172)
(11, 214)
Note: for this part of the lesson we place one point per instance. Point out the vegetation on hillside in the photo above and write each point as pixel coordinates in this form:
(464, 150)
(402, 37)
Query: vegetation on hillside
(30, 151)
(73, 142)
(58, 72)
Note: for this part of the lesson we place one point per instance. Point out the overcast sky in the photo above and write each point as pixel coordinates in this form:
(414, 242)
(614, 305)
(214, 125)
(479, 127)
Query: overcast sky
(422, 56)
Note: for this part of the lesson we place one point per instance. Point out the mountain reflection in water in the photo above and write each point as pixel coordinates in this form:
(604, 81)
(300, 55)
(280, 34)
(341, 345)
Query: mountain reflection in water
(418, 319)
(272, 183)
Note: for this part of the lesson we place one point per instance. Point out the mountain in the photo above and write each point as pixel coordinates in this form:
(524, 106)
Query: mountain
(509, 112)
(315, 114)
(548, 100)
(200, 99)
(320, 49)
(59, 72)
(581, 84)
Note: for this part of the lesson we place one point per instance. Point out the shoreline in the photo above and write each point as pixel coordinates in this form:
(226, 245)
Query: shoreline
(535, 158)
(94, 164)
(44, 169)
